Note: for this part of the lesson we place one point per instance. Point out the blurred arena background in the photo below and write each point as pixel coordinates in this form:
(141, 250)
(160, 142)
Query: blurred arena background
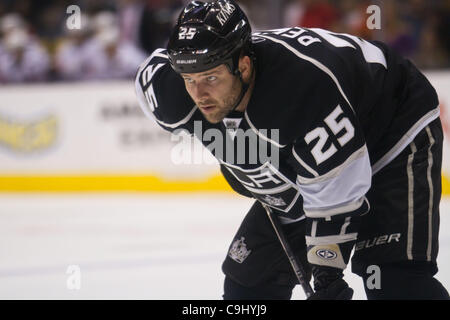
(87, 180)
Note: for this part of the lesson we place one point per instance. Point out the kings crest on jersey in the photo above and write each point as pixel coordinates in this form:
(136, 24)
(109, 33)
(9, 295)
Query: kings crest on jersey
(323, 104)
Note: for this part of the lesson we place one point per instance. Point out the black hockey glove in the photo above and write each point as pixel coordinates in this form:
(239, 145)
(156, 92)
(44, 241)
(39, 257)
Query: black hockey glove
(329, 284)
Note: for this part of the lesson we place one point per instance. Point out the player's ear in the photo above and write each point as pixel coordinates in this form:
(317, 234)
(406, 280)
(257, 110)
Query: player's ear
(245, 67)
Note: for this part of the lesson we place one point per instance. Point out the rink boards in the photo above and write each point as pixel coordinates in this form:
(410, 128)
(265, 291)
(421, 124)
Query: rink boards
(94, 137)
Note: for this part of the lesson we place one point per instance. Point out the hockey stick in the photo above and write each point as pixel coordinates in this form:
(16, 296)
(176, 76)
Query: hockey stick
(296, 266)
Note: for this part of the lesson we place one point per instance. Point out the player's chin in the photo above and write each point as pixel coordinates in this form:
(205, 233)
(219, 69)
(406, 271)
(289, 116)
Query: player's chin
(214, 118)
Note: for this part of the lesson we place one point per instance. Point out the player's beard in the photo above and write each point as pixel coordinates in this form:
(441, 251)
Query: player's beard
(224, 107)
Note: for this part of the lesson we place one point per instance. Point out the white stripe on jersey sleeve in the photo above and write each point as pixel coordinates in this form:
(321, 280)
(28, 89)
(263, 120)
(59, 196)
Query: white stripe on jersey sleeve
(371, 53)
(406, 139)
(335, 41)
(143, 103)
(252, 126)
(137, 85)
(156, 53)
(360, 205)
(342, 191)
(181, 122)
(141, 98)
(361, 152)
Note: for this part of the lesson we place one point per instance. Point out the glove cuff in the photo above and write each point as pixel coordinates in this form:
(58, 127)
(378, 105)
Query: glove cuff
(329, 255)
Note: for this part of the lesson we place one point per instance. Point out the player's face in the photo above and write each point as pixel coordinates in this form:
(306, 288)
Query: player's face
(215, 91)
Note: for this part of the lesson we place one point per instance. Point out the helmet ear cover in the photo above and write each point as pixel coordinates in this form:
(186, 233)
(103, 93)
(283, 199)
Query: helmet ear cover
(245, 50)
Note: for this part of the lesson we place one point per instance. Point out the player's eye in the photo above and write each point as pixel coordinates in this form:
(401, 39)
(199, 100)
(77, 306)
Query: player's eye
(188, 80)
(211, 78)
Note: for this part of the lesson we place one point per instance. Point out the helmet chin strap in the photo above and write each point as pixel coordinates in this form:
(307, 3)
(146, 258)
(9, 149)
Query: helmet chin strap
(244, 88)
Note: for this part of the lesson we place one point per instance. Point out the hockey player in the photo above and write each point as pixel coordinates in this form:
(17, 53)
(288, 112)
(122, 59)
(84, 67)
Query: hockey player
(358, 142)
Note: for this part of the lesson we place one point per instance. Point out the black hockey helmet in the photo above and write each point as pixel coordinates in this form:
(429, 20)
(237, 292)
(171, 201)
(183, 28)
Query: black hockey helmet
(208, 34)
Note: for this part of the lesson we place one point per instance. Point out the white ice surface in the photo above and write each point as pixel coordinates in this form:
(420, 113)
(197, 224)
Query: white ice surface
(131, 246)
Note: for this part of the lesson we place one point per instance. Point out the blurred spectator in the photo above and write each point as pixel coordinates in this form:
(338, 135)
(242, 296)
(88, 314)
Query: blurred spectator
(130, 14)
(292, 12)
(10, 23)
(430, 54)
(398, 32)
(108, 58)
(96, 51)
(431, 51)
(70, 63)
(35, 44)
(22, 59)
(104, 20)
(354, 18)
(318, 14)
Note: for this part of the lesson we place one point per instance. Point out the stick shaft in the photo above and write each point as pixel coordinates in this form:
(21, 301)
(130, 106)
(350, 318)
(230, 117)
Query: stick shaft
(296, 266)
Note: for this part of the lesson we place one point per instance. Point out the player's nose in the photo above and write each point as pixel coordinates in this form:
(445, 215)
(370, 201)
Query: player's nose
(200, 92)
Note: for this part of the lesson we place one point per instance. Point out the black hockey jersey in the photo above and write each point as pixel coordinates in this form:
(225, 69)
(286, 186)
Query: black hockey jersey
(326, 113)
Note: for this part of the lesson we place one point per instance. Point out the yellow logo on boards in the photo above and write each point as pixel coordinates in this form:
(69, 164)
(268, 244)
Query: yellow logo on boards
(27, 137)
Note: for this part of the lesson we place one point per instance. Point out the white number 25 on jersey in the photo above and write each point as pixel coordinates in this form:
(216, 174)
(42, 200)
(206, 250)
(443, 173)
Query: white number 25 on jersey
(317, 151)
(186, 33)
